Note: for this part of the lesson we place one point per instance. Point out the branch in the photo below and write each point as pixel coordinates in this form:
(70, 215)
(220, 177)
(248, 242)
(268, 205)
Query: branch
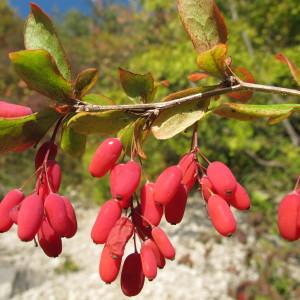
(145, 109)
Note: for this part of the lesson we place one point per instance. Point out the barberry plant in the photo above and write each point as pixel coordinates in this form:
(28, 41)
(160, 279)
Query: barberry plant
(137, 206)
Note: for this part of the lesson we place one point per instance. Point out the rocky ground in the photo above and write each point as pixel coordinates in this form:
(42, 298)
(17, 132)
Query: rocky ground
(206, 267)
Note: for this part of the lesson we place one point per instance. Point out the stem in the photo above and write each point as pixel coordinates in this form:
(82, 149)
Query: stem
(145, 109)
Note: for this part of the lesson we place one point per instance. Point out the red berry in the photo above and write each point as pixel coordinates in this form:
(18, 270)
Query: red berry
(119, 236)
(105, 157)
(13, 214)
(240, 199)
(11, 200)
(132, 277)
(143, 229)
(30, 217)
(151, 210)
(222, 179)
(288, 214)
(49, 240)
(54, 175)
(221, 216)
(189, 167)
(56, 213)
(175, 209)
(41, 153)
(72, 220)
(206, 188)
(10, 110)
(124, 180)
(163, 243)
(148, 260)
(107, 217)
(160, 259)
(167, 184)
(109, 267)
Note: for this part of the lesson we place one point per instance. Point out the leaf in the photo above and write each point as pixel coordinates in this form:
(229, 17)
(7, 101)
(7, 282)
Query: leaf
(212, 61)
(38, 70)
(137, 85)
(72, 142)
(101, 123)
(203, 22)
(246, 76)
(15, 132)
(85, 81)
(40, 34)
(293, 68)
(247, 112)
(133, 136)
(97, 99)
(176, 119)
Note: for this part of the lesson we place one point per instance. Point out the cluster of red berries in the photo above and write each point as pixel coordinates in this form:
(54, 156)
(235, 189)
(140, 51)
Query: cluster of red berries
(44, 213)
(289, 216)
(166, 196)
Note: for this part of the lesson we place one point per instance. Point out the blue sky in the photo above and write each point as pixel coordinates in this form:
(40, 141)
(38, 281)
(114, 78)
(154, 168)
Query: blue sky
(49, 6)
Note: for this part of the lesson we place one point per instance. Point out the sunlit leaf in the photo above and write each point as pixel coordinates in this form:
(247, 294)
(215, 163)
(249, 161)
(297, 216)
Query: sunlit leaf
(101, 123)
(246, 76)
(212, 61)
(25, 130)
(38, 70)
(203, 22)
(40, 34)
(137, 85)
(247, 112)
(72, 142)
(85, 81)
(176, 119)
(295, 71)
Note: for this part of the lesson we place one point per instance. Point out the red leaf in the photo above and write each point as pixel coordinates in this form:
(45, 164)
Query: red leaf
(194, 77)
(293, 68)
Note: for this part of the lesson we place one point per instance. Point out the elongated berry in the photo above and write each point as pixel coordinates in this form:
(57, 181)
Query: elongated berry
(288, 214)
(11, 200)
(189, 168)
(143, 229)
(56, 213)
(109, 267)
(163, 243)
(124, 180)
(72, 220)
(222, 179)
(109, 213)
(54, 175)
(148, 260)
(240, 199)
(49, 240)
(48, 146)
(30, 217)
(13, 214)
(10, 110)
(174, 210)
(207, 189)
(119, 236)
(221, 216)
(160, 259)
(167, 184)
(132, 276)
(151, 210)
(105, 157)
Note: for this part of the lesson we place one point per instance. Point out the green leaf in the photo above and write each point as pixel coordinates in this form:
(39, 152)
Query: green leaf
(212, 61)
(203, 22)
(38, 70)
(40, 34)
(85, 81)
(101, 123)
(176, 119)
(248, 112)
(295, 71)
(137, 85)
(72, 142)
(98, 99)
(15, 132)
